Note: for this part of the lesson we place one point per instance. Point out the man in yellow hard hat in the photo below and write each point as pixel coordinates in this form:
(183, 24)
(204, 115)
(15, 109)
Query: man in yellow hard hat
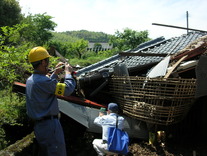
(42, 104)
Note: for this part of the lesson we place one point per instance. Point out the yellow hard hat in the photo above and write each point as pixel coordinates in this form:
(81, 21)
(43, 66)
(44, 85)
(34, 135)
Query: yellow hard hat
(37, 54)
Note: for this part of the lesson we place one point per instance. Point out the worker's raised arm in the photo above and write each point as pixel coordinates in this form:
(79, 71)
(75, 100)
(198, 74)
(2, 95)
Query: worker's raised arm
(69, 84)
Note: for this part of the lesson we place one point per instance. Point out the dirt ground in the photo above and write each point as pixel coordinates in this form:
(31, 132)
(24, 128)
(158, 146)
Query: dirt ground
(178, 149)
(79, 143)
(83, 146)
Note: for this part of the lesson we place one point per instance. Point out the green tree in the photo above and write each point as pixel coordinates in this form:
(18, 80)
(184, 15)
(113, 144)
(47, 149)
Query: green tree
(89, 35)
(10, 12)
(63, 37)
(128, 39)
(63, 43)
(12, 36)
(39, 28)
(14, 49)
(13, 62)
(80, 47)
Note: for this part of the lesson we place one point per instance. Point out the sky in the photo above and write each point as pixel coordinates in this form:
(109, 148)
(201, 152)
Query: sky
(109, 16)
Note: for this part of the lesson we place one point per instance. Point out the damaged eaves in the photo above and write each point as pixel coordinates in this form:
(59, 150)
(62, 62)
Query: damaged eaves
(159, 47)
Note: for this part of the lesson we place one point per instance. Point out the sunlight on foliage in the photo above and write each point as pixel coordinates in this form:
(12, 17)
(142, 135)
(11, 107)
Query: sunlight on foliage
(13, 58)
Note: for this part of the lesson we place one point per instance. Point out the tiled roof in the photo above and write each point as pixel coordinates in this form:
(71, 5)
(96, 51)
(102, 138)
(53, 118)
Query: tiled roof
(157, 46)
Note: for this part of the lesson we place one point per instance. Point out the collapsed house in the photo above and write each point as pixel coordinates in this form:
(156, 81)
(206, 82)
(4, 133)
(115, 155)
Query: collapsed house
(126, 78)
(154, 84)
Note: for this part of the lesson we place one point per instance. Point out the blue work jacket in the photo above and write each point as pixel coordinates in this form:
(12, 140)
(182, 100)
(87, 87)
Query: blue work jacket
(41, 100)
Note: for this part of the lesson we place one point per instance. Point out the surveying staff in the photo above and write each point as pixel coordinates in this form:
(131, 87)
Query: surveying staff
(106, 121)
(42, 104)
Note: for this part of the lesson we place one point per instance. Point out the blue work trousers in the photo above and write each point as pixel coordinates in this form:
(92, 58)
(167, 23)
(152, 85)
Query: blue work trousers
(50, 138)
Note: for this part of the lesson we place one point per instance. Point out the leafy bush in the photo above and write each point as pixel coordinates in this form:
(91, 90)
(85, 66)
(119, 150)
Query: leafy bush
(12, 112)
(13, 64)
(91, 57)
(87, 61)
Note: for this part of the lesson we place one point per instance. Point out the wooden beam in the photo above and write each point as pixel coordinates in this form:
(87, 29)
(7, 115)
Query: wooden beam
(172, 26)
(191, 53)
(174, 66)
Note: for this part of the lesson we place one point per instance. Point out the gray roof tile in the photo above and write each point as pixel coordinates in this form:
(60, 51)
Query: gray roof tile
(157, 46)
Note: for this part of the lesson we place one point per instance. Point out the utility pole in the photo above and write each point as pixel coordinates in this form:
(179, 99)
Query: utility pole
(187, 21)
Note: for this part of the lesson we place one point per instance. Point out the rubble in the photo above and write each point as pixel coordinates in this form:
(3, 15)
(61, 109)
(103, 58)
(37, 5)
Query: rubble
(161, 102)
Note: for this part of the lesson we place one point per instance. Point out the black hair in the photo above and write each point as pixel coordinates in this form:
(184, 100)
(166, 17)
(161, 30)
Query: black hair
(37, 63)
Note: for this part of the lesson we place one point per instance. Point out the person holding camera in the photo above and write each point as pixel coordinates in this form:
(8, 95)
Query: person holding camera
(42, 103)
(106, 121)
